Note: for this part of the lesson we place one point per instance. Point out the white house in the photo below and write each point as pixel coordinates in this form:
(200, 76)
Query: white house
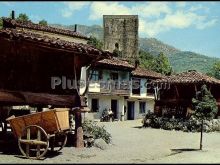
(112, 86)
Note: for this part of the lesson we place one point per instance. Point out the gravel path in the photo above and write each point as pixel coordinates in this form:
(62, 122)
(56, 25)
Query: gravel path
(132, 144)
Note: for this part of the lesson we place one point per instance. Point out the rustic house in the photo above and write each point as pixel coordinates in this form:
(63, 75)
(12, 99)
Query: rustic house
(31, 54)
(110, 87)
(175, 92)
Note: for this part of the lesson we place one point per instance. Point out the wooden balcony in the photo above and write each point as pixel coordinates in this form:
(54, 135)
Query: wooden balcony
(115, 89)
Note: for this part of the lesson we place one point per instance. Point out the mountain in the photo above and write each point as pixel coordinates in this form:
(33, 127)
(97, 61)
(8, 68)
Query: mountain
(186, 60)
(94, 30)
(154, 46)
(179, 60)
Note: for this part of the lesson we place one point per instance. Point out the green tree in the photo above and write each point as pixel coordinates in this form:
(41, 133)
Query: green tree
(159, 63)
(146, 59)
(95, 42)
(22, 17)
(162, 65)
(1, 23)
(215, 70)
(43, 22)
(205, 107)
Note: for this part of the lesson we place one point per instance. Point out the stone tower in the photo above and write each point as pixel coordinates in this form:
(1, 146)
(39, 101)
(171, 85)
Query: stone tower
(121, 33)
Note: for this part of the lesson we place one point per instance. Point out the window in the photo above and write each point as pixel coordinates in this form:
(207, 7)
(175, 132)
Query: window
(95, 105)
(114, 77)
(94, 75)
(116, 46)
(136, 89)
(142, 106)
(150, 88)
(150, 91)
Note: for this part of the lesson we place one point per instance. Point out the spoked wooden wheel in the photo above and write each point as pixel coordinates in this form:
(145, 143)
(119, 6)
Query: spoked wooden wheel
(58, 141)
(34, 142)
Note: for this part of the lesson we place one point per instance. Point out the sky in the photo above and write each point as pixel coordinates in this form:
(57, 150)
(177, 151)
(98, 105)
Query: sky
(188, 26)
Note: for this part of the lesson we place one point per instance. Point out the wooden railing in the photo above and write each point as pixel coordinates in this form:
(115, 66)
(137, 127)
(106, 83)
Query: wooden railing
(121, 89)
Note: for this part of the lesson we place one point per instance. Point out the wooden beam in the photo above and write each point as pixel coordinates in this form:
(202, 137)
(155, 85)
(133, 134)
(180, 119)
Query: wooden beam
(195, 88)
(177, 92)
(78, 130)
(33, 142)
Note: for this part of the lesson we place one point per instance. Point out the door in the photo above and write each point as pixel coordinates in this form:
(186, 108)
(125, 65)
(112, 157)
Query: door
(114, 108)
(95, 105)
(130, 110)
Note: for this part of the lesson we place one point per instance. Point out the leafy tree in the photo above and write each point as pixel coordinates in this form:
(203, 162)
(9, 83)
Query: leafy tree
(215, 71)
(158, 63)
(95, 42)
(162, 65)
(1, 23)
(43, 22)
(22, 17)
(146, 59)
(205, 107)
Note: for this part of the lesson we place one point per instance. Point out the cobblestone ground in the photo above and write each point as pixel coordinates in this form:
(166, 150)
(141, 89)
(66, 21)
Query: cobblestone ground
(132, 144)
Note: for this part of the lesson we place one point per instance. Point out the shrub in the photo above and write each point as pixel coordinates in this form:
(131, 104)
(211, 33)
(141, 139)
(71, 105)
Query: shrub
(190, 125)
(90, 127)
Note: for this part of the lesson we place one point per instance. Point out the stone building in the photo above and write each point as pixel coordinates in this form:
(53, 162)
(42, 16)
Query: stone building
(121, 35)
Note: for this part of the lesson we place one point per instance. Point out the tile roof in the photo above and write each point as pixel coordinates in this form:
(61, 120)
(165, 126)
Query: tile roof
(146, 73)
(53, 42)
(190, 76)
(114, 61)
(8, 22)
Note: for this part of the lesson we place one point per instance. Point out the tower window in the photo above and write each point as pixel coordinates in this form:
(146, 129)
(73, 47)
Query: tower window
(116, 46)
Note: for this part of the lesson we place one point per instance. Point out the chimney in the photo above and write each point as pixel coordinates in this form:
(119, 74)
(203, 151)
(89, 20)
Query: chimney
(13, 14)
(75, 28)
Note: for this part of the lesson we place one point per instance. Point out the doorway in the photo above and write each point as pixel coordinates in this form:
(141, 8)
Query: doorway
(95, 105)
(130, 110)
(114, 108)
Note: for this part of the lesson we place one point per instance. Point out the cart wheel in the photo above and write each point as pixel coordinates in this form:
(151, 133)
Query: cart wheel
(58, 141)
(34, 142)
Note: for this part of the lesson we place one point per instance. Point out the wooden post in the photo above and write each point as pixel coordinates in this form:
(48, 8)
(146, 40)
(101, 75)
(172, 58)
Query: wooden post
(210, 87)
(195, 88)
(177, 92)
(78, 130)
(201, 135)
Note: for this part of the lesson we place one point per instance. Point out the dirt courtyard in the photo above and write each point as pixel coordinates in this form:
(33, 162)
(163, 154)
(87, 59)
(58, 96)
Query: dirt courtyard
(132, 144)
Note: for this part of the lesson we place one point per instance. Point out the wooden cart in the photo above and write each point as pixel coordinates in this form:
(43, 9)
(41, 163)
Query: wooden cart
(38, 132)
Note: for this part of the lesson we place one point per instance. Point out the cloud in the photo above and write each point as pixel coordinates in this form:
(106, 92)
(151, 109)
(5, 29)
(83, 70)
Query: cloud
(144, 9)
(151, 9)
(181, 4)
(154, 17)
(7, 3)
(199, 7)
(207, 24)
(35, 18)
(71, 7)
(98, 9)
(67, 13)
(176, 20)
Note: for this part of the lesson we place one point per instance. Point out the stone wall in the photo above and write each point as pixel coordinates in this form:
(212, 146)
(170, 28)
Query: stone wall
(121, 30)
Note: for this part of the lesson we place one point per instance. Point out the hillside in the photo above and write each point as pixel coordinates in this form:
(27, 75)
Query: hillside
(180, 60)
(186, 60)
(154, 46)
